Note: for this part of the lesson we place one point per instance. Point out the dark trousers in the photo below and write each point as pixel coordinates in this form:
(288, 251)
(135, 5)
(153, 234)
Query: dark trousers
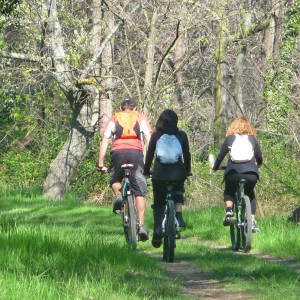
(232, 183)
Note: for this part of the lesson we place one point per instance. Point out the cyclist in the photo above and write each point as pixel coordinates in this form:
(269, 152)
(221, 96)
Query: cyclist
(235, 171)
(127, 127)
(164, 172)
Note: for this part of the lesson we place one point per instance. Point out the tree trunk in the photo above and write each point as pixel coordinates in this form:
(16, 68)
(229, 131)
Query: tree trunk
(64, 165)
(84, 98)
(148, 91)
(220, 94)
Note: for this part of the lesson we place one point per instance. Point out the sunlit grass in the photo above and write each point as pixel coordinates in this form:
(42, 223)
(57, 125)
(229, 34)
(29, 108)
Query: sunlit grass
(67, 250)
(244, 272)
(70, 250)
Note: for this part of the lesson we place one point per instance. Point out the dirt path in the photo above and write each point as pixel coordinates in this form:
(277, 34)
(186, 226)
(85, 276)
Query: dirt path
(199, 285)
(202, 285)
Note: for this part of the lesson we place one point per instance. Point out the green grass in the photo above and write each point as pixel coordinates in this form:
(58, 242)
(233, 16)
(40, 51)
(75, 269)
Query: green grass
(70, 250)
(243, 272)
(67, 250)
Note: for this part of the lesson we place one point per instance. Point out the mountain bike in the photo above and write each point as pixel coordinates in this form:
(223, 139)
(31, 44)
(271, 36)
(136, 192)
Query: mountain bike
(170, 225)
(241, 222)
(129, 213)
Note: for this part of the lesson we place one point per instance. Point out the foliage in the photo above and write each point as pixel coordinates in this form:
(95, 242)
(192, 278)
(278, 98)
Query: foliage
(7, 7)
(89, 183)
(279, 80)
(280, 179)
(29, 134)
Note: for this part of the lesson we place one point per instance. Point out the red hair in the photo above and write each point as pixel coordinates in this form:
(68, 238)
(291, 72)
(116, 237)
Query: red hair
(241, 126)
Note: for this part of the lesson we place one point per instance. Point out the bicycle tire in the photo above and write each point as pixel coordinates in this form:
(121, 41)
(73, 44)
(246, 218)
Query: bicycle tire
(129, 222)
(170, 234)
(235, 233)
(246, 229)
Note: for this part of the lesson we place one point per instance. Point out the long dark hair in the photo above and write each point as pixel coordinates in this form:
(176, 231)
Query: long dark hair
(167, 122)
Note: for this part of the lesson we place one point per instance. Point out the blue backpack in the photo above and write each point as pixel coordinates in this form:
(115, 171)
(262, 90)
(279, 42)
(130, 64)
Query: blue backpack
(168, 149)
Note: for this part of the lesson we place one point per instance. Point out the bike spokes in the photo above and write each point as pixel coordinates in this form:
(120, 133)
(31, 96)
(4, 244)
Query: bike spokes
(246, 218)
(170, 233)
(130, 222)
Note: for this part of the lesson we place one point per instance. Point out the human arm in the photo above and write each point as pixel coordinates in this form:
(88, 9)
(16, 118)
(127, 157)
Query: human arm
(102, 151)
(257, 154)
(186, 153)
(222, 153)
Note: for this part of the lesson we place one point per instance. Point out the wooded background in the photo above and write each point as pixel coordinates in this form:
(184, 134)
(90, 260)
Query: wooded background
(66, 66)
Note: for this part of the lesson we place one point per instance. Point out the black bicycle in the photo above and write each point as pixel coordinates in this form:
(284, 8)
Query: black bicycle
(170, 226)
(241, 222)
(129, 213)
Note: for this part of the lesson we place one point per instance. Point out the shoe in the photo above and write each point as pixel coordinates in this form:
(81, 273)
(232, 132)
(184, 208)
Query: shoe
(143, 234)
(156, 240)
(177, 236)
(228, 218)
(254, 227)
(117, 208)
(180, 220)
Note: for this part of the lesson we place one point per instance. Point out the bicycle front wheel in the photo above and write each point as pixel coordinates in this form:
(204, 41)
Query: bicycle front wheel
(170, 233)
(246, 229)
(129, 222)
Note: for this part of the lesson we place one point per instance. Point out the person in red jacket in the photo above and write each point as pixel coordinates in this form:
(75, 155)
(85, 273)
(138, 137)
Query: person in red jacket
(127, 129)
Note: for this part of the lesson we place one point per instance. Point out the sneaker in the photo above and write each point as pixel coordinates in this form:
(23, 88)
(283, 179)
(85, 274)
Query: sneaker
(156, 240)
(254, 227)
(180, 220)
(178, 235)
(228, 218)
(117, 208)
(143, 234)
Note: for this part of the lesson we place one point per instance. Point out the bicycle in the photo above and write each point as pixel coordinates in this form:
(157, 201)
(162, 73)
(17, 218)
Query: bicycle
(170, 225)
(129, 213)
(241, 223)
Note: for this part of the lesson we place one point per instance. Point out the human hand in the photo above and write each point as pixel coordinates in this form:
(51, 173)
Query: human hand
(102, 169)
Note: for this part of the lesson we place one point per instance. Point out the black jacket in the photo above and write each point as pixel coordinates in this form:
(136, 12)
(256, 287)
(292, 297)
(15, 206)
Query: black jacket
(168, 172)
(247, 167)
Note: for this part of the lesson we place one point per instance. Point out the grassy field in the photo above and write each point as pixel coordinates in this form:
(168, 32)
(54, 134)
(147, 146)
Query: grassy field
(70, 250)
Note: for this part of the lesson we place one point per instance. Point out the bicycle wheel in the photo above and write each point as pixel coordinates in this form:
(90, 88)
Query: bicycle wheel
(129, 222)
(246, 228)
(169, 236)
(235, 233)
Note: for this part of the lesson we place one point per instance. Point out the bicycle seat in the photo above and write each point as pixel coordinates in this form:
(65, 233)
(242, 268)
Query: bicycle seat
(243, 181)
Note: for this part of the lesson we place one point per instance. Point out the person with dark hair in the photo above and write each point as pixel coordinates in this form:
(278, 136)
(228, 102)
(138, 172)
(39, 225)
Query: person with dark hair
(165, 171)
(128, 128)
(235, 171)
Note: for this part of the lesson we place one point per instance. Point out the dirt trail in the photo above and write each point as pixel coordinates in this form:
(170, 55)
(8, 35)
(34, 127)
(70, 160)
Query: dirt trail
(202, 285)
(199, 285)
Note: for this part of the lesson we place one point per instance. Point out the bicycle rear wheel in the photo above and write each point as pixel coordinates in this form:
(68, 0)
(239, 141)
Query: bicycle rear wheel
(246, 228)
(235, 232)
(170, 233)
(129, 222)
